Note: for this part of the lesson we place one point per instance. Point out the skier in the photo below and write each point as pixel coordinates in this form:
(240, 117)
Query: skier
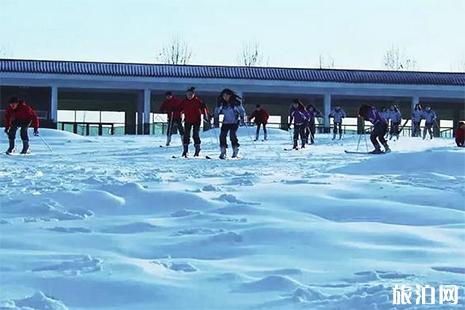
(311, 129)
(172, 107)
(417, 115)
(370, 113)
(385, 113)
(193, 108)
(430, 119)
(338, 115)
(460, 134)
(230, 106)
(260, 117)
(299, 115)
(396, 117)
(19, 115)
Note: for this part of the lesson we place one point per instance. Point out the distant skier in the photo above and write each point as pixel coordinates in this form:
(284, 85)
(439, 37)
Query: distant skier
(396, 117)
(229, 104)
(172, 107)
(338, 115)
(193, 108)
(313, 113)
(460, 134)
(20, 115)
(417, 115)
(298, 115)
(430, 119)
(260, 117)
(370, 114)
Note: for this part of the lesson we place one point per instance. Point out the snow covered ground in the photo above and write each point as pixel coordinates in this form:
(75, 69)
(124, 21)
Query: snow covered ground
(116, 223)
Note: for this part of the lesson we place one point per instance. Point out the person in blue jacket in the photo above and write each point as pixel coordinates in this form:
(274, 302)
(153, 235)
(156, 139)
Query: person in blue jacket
(430, 119)
(229, 104)
(380, 128)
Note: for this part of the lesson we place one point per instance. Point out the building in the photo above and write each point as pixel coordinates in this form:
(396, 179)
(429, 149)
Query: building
(137, 89)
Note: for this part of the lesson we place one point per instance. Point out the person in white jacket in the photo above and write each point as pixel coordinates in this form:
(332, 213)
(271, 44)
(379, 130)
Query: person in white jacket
(338, 115)
(229, 104)
(430, 119)
(396, 117)
(417, 115)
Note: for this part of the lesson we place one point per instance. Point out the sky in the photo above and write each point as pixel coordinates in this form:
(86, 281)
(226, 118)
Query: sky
(291, 33)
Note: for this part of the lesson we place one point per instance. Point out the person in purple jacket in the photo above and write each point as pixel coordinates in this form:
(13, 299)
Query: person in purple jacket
(311, 128)
(380, 128)
(299, 116)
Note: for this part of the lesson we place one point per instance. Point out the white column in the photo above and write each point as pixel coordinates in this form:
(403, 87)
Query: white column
(415, 101)
(147, 108)
(54, 105)
(326, 111)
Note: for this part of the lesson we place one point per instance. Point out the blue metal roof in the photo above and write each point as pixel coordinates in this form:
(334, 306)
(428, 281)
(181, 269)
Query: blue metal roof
(230, 72)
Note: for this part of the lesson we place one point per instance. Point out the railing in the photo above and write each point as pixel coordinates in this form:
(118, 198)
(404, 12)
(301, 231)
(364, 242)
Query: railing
(160, 128)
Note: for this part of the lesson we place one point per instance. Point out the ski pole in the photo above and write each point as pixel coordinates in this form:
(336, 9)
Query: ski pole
(46, 144)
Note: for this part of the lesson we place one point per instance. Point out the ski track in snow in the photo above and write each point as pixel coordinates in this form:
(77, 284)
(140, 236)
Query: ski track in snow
(116, 223)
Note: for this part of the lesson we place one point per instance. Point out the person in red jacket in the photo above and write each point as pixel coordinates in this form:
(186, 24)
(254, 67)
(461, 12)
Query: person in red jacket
(193, 108)
(172, 107)
(19, 115)
(260, 117)
(460, 134)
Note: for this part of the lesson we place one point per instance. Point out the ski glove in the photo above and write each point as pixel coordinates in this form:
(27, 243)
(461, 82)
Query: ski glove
(7, 130)
(36, 132)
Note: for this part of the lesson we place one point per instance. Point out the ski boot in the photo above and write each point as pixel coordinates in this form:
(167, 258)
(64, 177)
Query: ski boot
(295, 147)
(223, 153)
(235, 151)
(185, 149)
(11, 148)
(256, 137)
(377, 150)
(303, 144)
(265, 137)
(386, 148)
(168, 140)
(25, 149)
(197, 150)
(334, 137)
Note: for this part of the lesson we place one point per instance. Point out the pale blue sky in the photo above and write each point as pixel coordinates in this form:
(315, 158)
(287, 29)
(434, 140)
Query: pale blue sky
(291, 32)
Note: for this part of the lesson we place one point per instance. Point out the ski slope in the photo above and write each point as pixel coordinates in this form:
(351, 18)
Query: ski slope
(116, 223)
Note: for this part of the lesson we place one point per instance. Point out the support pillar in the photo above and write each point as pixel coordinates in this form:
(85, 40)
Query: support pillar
(53, 117)
(284, 120)
(130, 121)
(360, 125)
(147, 110)
(414, 102)
(326, 111)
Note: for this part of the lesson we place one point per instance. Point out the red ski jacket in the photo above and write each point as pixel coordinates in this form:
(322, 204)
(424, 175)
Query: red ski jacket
(23, 113)
(460, 135)
(172, 107)
(193, 110)
(261, 117)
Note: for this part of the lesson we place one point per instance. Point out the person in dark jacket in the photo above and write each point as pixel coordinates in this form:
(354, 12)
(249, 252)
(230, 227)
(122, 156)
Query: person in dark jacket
(230, 105)
(260, 117)
(193, 108)
(460, 134)
(299, 116)
(417, 115)
(313, 113)
(20, 115)
(430, 119)
(172, 107)
(380, 128)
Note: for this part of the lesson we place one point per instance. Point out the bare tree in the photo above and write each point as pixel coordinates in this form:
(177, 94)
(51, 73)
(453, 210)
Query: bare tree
(395, 59)
(325, 62)
(177, 52)
(459, 65)
(251, 55)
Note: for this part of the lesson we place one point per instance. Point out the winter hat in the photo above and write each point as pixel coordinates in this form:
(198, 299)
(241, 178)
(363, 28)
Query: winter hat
(169, 93)
(191, 89)
(258, 106)
(364, 108)
(13, 100)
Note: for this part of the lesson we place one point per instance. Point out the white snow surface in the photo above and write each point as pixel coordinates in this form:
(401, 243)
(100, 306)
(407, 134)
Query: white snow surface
(117, 223)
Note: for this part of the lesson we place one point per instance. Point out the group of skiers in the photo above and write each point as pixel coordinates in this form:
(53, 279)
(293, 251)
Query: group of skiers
(191, 110)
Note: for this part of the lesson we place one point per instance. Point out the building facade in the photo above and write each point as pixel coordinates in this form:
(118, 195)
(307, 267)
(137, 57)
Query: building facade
(138, 89)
